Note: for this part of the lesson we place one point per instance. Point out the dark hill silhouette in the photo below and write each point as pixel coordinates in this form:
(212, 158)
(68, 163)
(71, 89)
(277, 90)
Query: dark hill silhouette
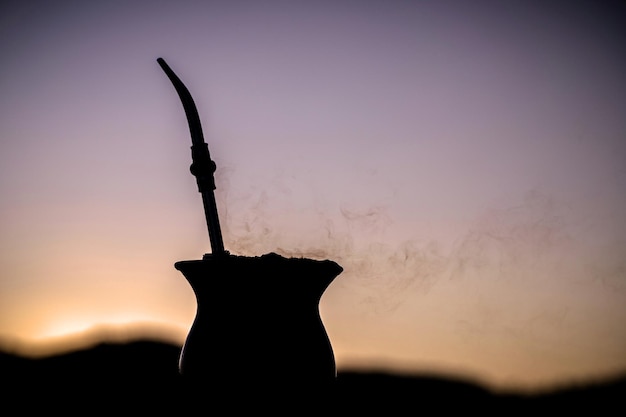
(142, 376)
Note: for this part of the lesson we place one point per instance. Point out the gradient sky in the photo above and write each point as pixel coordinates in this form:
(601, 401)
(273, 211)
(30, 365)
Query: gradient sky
(465, 162)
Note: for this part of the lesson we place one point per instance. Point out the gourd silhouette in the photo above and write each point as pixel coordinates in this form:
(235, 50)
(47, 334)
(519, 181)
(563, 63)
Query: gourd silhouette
(257, 325)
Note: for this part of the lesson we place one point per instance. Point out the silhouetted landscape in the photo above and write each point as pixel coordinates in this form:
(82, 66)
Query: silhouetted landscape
(275, 357)
(143, 376)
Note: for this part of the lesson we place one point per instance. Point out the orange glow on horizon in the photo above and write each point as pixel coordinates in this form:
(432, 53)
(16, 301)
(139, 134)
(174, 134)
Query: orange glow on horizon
(67, 337)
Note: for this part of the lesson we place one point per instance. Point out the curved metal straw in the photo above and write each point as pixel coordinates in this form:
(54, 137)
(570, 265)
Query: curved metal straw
(202, 167)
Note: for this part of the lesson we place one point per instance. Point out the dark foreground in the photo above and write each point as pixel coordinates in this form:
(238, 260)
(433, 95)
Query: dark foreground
(142, 377)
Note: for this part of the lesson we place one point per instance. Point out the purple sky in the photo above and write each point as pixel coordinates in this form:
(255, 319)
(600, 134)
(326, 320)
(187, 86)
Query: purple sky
(465, 162)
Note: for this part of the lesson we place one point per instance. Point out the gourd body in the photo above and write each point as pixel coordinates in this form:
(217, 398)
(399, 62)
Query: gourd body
(257, 323)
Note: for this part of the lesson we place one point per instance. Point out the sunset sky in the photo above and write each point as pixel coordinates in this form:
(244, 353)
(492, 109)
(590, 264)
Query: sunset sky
(463, 161)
